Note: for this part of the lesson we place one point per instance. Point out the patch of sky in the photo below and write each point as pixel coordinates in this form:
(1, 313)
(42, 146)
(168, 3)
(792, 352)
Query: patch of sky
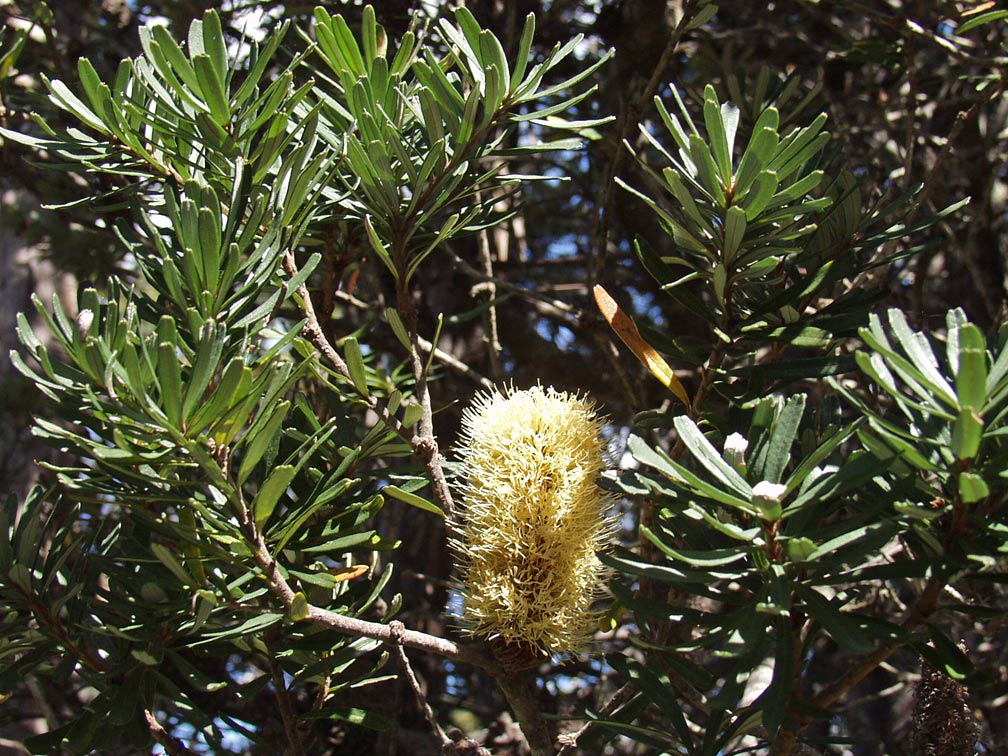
(249, 22)
(565, 685)
(563, 246)
(561, 336)
(233, 740)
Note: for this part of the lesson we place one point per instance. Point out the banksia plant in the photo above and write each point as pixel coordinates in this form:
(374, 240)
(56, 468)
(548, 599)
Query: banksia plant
(531, 521)
(943, 723)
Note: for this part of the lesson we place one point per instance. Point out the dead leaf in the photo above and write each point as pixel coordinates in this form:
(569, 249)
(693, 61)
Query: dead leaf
(626, 329)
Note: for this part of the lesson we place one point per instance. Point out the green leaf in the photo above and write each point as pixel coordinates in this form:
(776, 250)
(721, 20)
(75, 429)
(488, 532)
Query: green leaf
(523, 53)
(845, 539)
(299, 607)
(656, 458)
(342, 44)
(709, 558)
(734, 231)
(259, 438)
(717, 132)
(707, 172)
(379, 247)
(170, 380)
(398, 327)
(168, 559)
(708, 456)
(413, 499)
(362, 717)
(799, 549)
(919, 351)
(983, 18)
(704, 14)
(966, 434)
(208, 354)
(763, 190)
(355, 364)
(212, 89)
(254, 625)
(775, 455)
(971, 376)
(272, 489)
(776, 700)
(843, 628)
(174, 59)
(972, 487)
(233, 386)
(760, 149)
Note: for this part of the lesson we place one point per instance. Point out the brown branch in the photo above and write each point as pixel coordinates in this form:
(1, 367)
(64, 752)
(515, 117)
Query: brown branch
(13, 746)
(569, 740)
(352, 625)
(172, 745)
(518, 691)
(288, 716)
(488, 290)
(786, 739)
(398, 631)
(906, 25)
(423, 443)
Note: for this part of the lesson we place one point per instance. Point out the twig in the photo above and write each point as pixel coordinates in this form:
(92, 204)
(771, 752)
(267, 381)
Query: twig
(172, 745)
(786, 740)
(423, 442)
(287, 714)
(570, 739)
(441, 355)
(352, 625)
(908, 26)
(398, 631)
(489, 292)
(14, 746)
(551, 308)
(515, 689)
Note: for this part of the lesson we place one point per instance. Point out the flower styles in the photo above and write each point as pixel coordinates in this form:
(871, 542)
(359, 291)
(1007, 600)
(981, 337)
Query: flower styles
(531, 521)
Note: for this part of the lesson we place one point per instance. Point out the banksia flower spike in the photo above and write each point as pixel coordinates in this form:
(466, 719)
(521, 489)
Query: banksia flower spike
(531, 521)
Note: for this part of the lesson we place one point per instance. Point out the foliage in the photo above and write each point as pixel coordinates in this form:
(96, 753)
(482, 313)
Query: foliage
(181, 395)
(244, 412)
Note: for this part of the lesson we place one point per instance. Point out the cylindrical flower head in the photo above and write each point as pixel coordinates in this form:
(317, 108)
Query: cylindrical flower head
(531, 521)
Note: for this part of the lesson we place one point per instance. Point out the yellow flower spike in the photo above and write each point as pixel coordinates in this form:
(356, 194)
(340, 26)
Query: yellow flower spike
(531, 520)
(626, 329)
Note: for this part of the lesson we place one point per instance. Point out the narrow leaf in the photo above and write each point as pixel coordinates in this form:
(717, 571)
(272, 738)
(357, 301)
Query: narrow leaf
(626, 329)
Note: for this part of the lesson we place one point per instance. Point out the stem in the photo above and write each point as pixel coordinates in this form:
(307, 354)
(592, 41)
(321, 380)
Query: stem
(520, 696)
(352, 625)
(516, 690)
(570, 739)
(786, 740)
(172, 745)
(295, 744)
(398, 632)
(488, 290)
(423, 443)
